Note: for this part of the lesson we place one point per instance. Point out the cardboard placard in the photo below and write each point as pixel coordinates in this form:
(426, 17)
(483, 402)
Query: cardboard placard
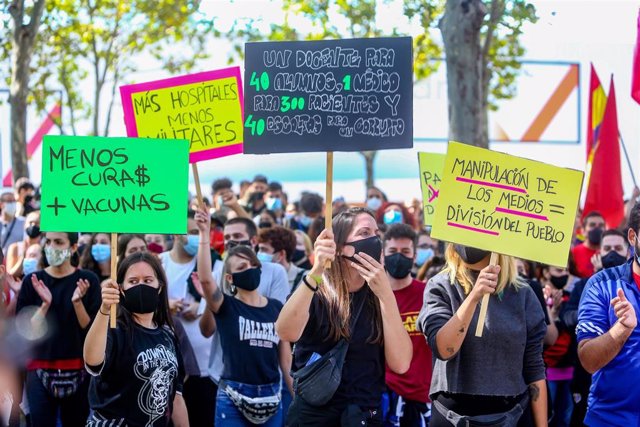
(431, 168)
(114, 185)
(204, 108)
(507, 204)
(329, 95)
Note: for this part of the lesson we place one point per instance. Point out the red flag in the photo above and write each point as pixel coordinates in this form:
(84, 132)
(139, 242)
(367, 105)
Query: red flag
(597, 102)
(635, 77)
(604, 193)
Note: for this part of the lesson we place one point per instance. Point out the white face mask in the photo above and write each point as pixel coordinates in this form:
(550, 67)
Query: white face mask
(10, 208)
(374, 203)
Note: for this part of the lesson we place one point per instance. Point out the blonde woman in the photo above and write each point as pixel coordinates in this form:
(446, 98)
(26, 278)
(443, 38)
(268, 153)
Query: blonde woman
(495, 380)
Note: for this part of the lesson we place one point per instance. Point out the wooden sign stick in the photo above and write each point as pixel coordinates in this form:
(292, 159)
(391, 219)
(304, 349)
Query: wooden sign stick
(196, 178)
(485, 302)
(328, 210)
(114, 265)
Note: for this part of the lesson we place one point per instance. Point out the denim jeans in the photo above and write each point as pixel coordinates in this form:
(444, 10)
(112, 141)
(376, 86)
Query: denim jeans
(562, 401)
(228, 415)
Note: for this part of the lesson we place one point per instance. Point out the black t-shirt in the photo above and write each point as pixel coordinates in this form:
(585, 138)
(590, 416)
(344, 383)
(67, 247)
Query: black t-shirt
(138, 380)
(65, 337)
(249, 341)
(363, 372)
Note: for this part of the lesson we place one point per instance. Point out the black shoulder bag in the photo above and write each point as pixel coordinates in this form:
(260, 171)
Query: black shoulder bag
(317, 383)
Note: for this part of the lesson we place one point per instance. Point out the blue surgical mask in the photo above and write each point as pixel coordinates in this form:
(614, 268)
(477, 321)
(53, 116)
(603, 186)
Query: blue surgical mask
(101, 252)
(29, 265)
(265, 257)
(191, 247)
(374, 203)
(423, 255)
(305, 221)
(274, 204)
(393, 217)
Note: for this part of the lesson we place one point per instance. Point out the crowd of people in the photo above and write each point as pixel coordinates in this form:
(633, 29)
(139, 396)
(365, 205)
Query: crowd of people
(259, 315)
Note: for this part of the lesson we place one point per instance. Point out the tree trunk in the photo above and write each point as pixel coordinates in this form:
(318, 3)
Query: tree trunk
(460, 27)
(24, 36)
(369, 157)
(19, 92)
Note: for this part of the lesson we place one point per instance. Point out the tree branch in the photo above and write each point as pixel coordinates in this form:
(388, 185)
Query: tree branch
(116, 78)
(16, 10)
(36, 16)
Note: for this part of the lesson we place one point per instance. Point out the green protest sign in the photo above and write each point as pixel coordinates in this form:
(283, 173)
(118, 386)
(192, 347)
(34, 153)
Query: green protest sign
(114, 185)
(431, 167)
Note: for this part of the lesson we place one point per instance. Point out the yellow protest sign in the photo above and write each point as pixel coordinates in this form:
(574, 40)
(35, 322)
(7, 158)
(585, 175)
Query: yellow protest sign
(507, 204)
(203, 108)
(431, 167)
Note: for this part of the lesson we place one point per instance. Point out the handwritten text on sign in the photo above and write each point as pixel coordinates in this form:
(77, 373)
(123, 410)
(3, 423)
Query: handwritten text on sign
(431, 168)
(331, 95)
(204, 108)
(117, 185)
(507, 204)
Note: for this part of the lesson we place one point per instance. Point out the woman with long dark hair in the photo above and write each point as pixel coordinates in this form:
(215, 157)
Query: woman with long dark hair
(249, 391)
(96, 256)
(137, 368)
(318, 316)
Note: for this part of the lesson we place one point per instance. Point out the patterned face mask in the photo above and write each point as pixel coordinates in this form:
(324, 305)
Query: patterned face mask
(56, 257)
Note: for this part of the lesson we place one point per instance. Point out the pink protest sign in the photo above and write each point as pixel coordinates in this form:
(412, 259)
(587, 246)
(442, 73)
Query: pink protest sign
(205, 108)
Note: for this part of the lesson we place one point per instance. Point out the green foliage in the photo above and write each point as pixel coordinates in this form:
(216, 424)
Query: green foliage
(505, 48)
(360, 19)
(97, 40)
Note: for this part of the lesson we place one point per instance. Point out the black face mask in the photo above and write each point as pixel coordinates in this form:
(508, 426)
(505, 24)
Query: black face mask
(470, 255)
(249, 280)
(233, 243)
(613, 259)
(595, 236)
(32, 231)
(298, 255)
(265, 224)
(398, 266)
(559, 282)
(141, 299)
(371, 246)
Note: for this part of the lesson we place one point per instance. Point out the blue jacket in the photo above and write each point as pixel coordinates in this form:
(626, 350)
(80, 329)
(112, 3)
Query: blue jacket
(614, 398)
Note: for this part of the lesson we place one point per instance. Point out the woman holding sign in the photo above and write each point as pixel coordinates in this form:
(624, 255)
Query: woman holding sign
(345, 316)
(249, 391)
(137, 368)
(495, 380)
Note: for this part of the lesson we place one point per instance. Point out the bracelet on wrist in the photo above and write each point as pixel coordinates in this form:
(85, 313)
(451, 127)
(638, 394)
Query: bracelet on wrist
(317, 279)
(103, 313)
(308, 285)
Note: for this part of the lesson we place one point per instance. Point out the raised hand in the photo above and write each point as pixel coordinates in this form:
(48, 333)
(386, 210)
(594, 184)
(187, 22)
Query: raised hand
(41, 289)
(624, 310)
(14, 284)
(81, 290)
(486, 283)
(110, 294)
(372, 272)
(229, 199)
(203, 221)
(324, 250)
(197, 284)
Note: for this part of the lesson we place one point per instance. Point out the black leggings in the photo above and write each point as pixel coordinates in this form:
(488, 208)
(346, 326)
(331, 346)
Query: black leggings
(301, 414)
